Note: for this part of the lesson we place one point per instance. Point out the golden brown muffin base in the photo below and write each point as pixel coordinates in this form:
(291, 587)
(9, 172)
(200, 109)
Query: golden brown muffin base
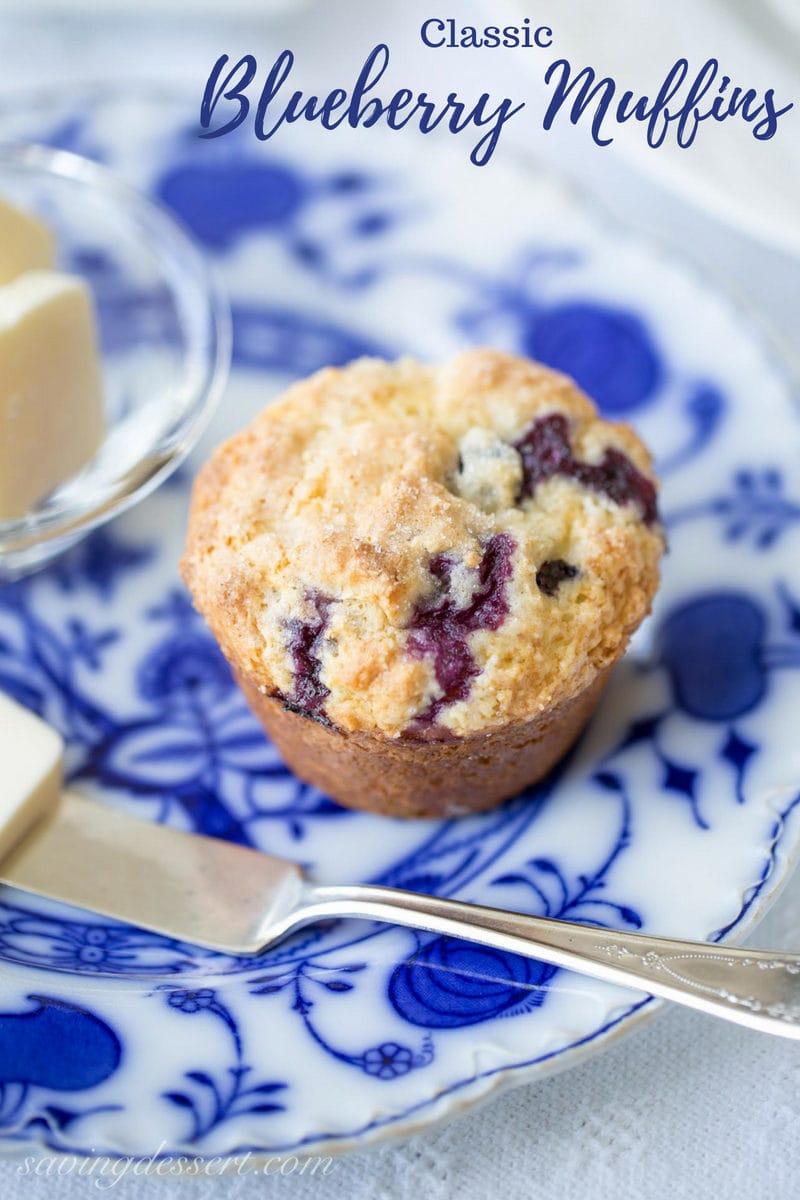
(423, 777)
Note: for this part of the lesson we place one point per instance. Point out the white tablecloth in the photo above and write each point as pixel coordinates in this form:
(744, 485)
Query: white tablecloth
(686, 1105)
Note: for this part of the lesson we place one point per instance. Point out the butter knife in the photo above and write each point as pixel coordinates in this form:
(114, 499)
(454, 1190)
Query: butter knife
(230, 898)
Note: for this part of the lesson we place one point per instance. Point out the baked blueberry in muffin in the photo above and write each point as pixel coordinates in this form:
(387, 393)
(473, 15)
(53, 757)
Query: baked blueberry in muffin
(422, 575)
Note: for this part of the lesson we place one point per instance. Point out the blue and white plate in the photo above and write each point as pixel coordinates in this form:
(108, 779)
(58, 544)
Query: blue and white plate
(675, 814)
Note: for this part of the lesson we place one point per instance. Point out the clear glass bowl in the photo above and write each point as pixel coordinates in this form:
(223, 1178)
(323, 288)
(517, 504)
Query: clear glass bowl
(164, 331)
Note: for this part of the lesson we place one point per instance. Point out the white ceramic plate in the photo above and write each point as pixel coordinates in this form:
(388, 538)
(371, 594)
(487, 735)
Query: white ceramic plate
(676, 813)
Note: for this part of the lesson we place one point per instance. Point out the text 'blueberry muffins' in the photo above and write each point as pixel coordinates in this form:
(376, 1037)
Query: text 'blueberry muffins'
(422, 575)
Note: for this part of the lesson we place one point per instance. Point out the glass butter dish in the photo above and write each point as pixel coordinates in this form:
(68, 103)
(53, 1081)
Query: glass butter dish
(164, 341)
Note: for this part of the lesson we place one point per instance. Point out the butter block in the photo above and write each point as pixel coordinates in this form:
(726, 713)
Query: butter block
(25, 243)
(30, 771)
(51, 400)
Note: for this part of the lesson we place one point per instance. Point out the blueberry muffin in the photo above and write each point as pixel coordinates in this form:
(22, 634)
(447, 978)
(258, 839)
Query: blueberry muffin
(423, 575)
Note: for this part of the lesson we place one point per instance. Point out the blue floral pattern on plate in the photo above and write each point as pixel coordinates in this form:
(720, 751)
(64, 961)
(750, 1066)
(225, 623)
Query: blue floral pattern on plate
(674, 814)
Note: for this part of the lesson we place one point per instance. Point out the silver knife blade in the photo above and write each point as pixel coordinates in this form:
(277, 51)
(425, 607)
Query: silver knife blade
(187, 886)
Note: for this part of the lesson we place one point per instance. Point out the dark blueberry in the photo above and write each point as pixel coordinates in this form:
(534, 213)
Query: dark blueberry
(546, 451)
(616, 477)
(289, 706)
(488, 607)
(440, 627)
(553, 573)
(305, 646)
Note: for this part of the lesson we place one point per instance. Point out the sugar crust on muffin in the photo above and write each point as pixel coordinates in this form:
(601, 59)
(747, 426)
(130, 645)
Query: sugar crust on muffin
(419, 551)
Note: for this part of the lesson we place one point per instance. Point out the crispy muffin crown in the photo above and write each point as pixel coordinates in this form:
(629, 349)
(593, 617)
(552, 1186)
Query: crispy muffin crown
(413, 550)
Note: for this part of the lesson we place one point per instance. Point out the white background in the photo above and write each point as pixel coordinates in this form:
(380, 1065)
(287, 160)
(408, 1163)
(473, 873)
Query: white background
(686, 1105)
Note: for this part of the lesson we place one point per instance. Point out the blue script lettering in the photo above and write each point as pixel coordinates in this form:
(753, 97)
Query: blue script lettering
(238, 78)
(583, 93)
(360, 107)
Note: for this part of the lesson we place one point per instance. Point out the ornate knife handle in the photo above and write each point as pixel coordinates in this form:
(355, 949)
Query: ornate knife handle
(757, 988)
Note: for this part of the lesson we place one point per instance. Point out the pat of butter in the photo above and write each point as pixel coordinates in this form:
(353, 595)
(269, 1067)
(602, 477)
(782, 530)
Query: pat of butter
(51, 402)
(30, 771)
(25, 243)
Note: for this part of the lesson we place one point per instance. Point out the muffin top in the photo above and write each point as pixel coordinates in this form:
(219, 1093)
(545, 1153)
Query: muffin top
(412, 550)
